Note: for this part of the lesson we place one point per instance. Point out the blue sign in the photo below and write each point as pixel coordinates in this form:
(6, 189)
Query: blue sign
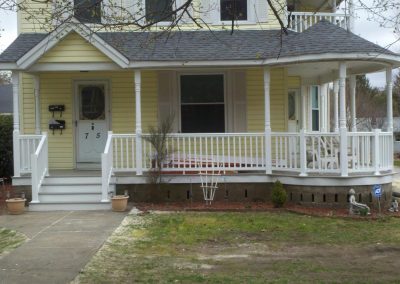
(377, 189)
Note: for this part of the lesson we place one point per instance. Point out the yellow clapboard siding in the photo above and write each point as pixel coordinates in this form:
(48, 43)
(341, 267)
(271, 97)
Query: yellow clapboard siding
(37, 19)
(255, 100)
(57, 88)
(79, 51)
(294, 82)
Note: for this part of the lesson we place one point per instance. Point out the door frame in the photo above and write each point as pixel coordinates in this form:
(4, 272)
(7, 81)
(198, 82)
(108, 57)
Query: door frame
(76, 84)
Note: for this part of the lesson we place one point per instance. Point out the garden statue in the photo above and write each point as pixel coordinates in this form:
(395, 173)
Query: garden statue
(355, 207)
(395, 206)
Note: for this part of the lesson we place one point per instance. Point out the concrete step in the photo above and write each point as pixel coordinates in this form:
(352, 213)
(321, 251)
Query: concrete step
(53, 180)
(71, 188)
(66, 206)
(69, 197)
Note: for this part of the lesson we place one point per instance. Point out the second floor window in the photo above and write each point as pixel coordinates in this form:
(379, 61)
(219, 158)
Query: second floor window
(87, 11)
(233, 10)
(159, 10)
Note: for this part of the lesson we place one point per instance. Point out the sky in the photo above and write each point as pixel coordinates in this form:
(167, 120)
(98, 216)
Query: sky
(363, 27)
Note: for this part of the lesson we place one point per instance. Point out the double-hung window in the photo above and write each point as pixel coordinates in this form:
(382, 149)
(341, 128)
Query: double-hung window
(159, 11)
(315, 107)
(233, 10)
(202, 103)
(88, 11)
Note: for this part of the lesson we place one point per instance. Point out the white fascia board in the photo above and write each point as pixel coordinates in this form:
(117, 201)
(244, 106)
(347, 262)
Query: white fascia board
(8, 66)
(213, 64)
(373, 57)
(102, 45)
(376, 58)
(87, 66)
(57, 35)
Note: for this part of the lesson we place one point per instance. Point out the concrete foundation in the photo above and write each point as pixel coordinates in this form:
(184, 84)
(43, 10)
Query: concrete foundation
(319, 196)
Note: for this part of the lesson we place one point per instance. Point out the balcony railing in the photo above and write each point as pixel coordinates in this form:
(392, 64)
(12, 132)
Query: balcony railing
(300, 21)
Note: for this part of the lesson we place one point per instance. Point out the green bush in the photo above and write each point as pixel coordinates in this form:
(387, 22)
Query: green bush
(278, 194)
(6, 155)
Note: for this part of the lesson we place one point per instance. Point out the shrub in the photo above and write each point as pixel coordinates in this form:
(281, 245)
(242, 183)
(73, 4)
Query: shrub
(6, 156)
(278, 194)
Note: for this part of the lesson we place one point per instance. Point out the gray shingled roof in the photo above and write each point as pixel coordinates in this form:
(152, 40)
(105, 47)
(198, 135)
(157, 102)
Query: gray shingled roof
(21, 45)
(323, 37)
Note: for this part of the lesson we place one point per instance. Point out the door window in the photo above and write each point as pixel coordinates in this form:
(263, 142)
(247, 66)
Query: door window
(92, 103)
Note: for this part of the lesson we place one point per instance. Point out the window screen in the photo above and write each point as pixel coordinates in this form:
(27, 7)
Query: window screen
(202, 103)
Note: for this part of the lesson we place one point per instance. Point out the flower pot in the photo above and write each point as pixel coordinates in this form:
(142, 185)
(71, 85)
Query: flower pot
(16, 205)
(119, 203)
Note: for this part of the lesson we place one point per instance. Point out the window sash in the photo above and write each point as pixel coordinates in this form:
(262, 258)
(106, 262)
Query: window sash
(88, 11)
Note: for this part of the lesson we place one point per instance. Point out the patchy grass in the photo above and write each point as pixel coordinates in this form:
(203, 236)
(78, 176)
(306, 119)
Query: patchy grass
(247, 248)
(10, 239)
(396, 163)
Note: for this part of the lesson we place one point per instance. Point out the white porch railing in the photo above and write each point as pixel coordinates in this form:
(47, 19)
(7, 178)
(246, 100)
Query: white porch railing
(301, 153)
(107, 167)
(25, 146)
(40, 166)
(300, 21)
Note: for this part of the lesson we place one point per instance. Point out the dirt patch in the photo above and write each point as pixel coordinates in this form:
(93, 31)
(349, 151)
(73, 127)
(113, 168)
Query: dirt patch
(256, 206)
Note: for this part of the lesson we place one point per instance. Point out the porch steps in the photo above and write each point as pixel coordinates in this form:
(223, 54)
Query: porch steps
(59, 193)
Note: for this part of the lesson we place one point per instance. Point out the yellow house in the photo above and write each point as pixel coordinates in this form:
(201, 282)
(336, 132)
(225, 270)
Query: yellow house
(256, 105)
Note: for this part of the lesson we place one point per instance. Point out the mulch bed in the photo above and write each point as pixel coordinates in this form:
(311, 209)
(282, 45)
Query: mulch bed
(254, 207)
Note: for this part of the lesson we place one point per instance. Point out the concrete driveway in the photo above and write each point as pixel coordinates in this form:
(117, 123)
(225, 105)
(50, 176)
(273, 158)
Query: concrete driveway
(59, 244)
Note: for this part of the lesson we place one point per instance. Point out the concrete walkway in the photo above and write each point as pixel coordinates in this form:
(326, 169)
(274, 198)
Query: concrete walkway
(59, 246)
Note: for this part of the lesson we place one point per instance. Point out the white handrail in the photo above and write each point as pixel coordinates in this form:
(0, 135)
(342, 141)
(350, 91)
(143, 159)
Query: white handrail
(107, 167)
(302, 153)
(40, 167)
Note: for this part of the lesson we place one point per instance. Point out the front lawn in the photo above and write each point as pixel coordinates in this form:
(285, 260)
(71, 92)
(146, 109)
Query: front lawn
(247, 248)
(10, 239)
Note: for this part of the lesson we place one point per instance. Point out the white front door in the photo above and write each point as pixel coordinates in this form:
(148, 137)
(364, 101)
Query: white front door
(293, 111)
(91, 122)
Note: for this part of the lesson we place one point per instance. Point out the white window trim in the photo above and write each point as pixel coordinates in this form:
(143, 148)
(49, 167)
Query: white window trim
(179, 74)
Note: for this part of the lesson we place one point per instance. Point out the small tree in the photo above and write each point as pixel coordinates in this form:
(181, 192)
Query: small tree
(278, 194)
(157, 137)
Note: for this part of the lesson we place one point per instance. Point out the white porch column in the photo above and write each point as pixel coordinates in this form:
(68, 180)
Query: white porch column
(138, 83)
(342, 120)
(389, 98)
(323, 91)
(16, 149)
(353, 103)
(304, 107)
(36, 82)
(336, 105)
(303, 150)
(267, 122)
